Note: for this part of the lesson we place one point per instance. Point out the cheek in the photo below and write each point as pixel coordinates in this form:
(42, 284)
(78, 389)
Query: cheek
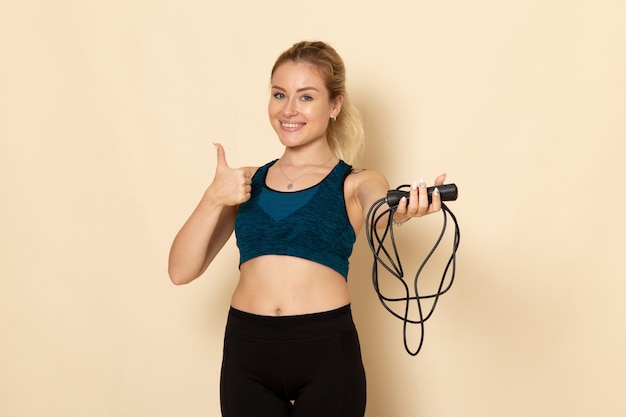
(273, 113)
(271, 107)
(313, 112)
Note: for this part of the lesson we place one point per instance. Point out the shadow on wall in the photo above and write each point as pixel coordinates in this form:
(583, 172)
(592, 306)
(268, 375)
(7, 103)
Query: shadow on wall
(380, 333)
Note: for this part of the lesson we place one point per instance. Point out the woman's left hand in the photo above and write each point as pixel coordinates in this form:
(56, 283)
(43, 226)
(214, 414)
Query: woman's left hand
(418, 205)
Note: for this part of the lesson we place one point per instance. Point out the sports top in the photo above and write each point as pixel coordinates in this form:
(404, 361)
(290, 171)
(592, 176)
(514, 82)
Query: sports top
(311, 224)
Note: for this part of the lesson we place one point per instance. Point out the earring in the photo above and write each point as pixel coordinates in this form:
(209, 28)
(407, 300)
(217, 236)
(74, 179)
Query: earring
(334, 117)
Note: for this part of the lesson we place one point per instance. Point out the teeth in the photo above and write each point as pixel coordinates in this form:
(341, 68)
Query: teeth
(291, 125)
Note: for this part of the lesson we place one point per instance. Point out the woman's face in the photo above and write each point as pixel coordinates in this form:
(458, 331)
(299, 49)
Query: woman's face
(299, 107)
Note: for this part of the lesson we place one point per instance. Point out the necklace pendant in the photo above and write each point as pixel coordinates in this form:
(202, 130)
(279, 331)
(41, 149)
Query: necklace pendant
(290, 186)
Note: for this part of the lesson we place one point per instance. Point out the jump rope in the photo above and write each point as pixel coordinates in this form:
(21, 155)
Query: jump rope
(383, 245)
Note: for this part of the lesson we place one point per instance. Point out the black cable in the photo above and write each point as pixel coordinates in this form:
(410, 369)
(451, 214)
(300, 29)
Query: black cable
(392, 263)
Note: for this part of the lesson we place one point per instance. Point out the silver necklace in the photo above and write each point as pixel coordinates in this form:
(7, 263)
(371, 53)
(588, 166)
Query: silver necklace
(290, 185)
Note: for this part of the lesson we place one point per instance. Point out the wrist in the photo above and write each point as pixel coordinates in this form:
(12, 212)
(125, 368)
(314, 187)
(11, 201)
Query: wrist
(211, 199)
(398, 222)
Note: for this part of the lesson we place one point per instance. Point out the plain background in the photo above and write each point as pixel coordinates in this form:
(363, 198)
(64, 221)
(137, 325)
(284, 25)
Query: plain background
(107, 115)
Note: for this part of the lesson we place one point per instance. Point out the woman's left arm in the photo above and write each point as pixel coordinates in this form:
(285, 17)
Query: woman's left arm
(369, 186)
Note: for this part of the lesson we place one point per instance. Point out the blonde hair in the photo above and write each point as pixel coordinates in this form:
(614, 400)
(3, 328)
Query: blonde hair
(346, 135)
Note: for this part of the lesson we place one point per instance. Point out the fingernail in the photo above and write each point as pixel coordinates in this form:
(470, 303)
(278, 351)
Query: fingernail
(422, 183)
(215, 145)
(436, 191)
(414, 186)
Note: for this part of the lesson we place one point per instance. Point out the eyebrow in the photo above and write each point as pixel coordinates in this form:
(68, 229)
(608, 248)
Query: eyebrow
(298, 90)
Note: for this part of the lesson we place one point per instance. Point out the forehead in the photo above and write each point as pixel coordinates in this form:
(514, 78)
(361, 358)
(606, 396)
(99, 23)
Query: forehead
(297, 75)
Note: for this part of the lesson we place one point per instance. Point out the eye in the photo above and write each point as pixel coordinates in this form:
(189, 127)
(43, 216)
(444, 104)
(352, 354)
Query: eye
(279, 95)
(307, 98)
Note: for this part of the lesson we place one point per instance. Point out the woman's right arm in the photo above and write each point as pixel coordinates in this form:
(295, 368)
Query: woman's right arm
(211, 224)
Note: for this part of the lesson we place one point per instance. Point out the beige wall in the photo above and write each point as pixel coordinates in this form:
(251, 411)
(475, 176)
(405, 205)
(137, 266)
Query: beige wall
(107, 114)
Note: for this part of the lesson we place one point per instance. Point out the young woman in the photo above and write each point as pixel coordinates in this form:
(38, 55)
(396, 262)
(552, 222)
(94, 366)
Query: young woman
(291, 348)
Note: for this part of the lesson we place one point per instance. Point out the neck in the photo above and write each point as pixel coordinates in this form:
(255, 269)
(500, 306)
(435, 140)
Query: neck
(296, 157)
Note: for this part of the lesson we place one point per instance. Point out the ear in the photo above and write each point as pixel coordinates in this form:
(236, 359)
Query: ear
(336, 105)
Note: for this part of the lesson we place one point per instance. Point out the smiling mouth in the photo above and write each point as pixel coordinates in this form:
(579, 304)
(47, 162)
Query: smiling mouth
(292, 125)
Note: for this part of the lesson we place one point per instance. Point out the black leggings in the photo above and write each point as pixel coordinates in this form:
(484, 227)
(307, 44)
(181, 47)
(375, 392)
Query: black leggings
(300, 366)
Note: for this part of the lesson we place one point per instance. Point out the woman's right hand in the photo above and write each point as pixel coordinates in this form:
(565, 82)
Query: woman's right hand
(212, 222)
(231, 186)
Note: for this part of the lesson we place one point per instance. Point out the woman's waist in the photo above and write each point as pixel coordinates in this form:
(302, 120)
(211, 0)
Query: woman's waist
(300, 327)
(277, 287)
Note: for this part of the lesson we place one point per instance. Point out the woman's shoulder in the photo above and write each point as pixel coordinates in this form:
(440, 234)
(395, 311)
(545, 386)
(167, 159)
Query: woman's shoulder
(360, 174)
(363, 187)
(262, 168)
(360, 178)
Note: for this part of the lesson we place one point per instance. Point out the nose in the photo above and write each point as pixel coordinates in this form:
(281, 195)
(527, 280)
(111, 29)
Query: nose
(290, 108)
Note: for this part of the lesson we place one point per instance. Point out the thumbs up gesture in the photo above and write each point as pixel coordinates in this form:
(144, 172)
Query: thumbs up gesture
(230, 186)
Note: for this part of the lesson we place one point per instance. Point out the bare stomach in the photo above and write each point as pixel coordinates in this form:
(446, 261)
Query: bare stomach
(275, 285)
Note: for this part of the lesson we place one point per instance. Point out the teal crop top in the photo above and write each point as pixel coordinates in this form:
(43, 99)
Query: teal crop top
(312, 223)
